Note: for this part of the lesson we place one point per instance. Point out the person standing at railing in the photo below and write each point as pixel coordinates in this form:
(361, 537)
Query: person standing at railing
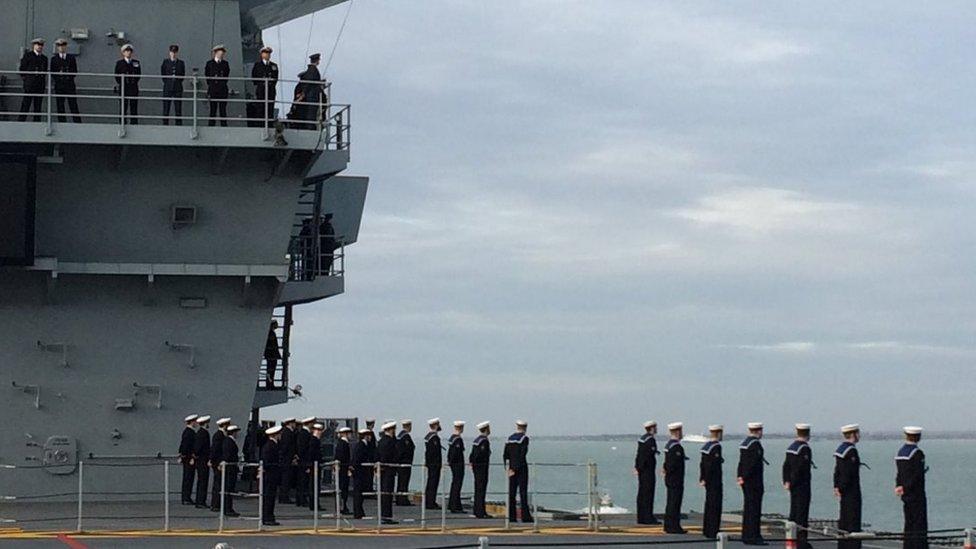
(231, 456)
(645, 464)
(847, 485)
(796, 481)
(313, 457)
(479, 459)
(328, 244)
(433, 461)
(265, 75)
(201, 455)
(173, 70)
(65, 66)
(127, 72)
(386, 457)
(710, 478)
(302, 440)
(216, 457)
(32, 64)
(405, 453)
(674, 478)
(516, 458)
(910, 486)
(187, 441)
(343, 455)
(750, 477)
(288, 454)
(309, 94)
(271, 477)
(361, 472)
(217, 71)
(455, 460)
(272, 354)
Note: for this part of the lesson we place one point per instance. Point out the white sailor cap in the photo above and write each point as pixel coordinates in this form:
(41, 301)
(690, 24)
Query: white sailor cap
(203, 419)
(310, 419)
(345, 430)
(388, 425)
(318, 427)
(233, 429)
(802, 426)
(37, 41)
(912, 430)
(60, 42)
(651, 423)
(850, 428)
(483, 425)
(406, 422)
(675, 426)
(433, 421)
(521, 423)
(364, 431)
(223, 421)
(126, 47)
(273, 430)
(459, 423)
(191, 417)
(754, 425)
(716, 427)
(219, 47)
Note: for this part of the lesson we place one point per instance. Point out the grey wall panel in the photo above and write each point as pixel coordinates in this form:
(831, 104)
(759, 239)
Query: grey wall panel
(344, 196)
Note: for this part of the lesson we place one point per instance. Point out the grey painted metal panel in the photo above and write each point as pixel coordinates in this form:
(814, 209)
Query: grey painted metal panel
(268, 13)
(299, 291)
(344, 196)
(263, 398)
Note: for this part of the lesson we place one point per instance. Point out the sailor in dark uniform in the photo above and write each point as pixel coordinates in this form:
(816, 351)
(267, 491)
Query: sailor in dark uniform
(433, 461)
(230, 453)
(750, 478)
(847, 485)
(516, 458)
(910, 486)
(645, 467)
(674, 478)
(796, 481)
(371, 445)
(287, 459)
(405, 452)
(386, 457)
(271, 477)
(479, 460)
(64, 67)
(313, 456)
(217, 70)
(173, 70)
(187, 442)
(216, 457)
(710, 478)
(265, 76)
(128, 71)
(309, 94)
(361, 472)
(455, 460)
(343, 455)
(302, 439)
(32, 63)
(201, 455)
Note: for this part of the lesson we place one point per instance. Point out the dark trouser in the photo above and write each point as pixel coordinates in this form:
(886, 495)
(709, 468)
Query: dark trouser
(311, 488)
(269, 494)
(751, 512)
(218, 108)
(916, 522)
(800, 512)
(645, 497)
(272, 368)
(457, 481)
(343, 486)
(203, 482)
(230, 486)
(287, 481)
(131, 107)
(480, 471)
(361, 485)
(387, 486)
(301, 485)
(172, 97)
(712, 518)
(433, 481)
(672, 511)
(519, 482)
(72, 103)
(31, 101)
(215, 489)
(850, 518)
(189, 471)
(403, 485)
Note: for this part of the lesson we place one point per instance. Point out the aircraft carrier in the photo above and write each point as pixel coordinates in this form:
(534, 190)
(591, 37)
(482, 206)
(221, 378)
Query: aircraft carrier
(141, 265)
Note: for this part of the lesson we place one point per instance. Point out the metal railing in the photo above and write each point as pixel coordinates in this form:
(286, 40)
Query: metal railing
(311, 256)
(120, 100)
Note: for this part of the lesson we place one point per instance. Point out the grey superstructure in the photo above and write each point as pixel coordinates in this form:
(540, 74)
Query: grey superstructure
(141, 266)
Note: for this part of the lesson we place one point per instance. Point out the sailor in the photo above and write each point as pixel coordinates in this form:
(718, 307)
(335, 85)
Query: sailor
(674, 478)
(645, 465)
(433, 461)
(187, 442)
(516, 456)
(910, 486)
(455, 460)
(386, 458)
(371, 445)
(343, 455)
(479, 459)
(32, 64)
(173, 70)
(201, 455)
(710, 478)
(309, 94)
(287, 459)
(127, 71)
(405, 453)
(217, 71)
(847, 485)
(216, 457)
(65, 66)
(313, 456)
(272, 354)
(328, 244)
(750, 478)
(302, 439)
(361, 472)
(230, 453)
(265, 75)
(796, 481)
(270, 459)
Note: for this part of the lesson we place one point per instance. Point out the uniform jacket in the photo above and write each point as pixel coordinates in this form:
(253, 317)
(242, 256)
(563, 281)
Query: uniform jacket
(674, 464)
(516, 452)
(360, 456)
(312, 87)
(386, 449)
(201, 446)
(751, 462)
(710, 469)
(132, 69)
(480, 451)
(187, 441)
(313, 453)
(172, 68)
(217, 448)
(287, 448)
(271, 458)
(847, 469)
(343, 452)
(33, 62)
(229, 452)
(64, 72)
(216, 71)
(910, 462)
(433, 457)
(302, 440)
(265, 76)
(405, 448)
(646, 459)
(455, 450)
(797, 465)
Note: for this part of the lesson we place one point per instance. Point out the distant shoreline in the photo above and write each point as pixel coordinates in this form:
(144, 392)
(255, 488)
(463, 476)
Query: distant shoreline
(865, 435)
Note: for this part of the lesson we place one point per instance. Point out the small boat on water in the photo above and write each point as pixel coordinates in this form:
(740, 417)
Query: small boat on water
(606, 507)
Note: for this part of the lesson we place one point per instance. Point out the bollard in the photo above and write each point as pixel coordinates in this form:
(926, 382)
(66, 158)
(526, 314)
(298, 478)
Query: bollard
(969, 539)
(790, 528)
(166, 496)
(81, 482)
(483, 542)
(720, 541)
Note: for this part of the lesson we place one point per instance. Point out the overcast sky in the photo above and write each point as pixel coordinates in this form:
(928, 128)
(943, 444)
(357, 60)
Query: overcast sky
(588, 214)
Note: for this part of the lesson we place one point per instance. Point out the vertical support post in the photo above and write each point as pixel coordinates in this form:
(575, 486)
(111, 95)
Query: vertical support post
(379, 496)
(790, 529)
(508, 499)
(260, 463)
(720, 541)
(196, 119)
(122, 107)
(535, 505)
(969, 539)
(596, 498)
(50, 121)
(223, 495)
(423, 498)
(589, 495)
(265, 109)
(315, 494)
(166, 496)
(81, 484)
(338, 515)
(443, 502)
(483, 542)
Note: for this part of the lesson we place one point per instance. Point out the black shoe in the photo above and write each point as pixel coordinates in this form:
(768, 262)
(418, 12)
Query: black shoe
(528, 519)
(359, 516)
(389, 521)
(232, 514)
(215, 509)
(675, 531)
(345, 512)
(482, 516)
(271, 523)
(199, 506)
(456, 511)
(433, 507)
(185, 502)
(758, 541)
(285, 500)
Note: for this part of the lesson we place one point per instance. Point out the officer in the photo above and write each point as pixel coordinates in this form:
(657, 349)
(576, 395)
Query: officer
(127, 72)
(674, 478)
(455, 460)
(201, 456)
(173, 70)
(710, 478)
(386, 457)
(343, 455)
(65, 66)
(32, 64)
(405, 452)
(230, 453)
(433, 461)
(516, 456)
(216, 457)
(750, 478)
(910, 486)
(217, 70)
(796, 481)
(272, 474)
(187, 442)
(847, 485)
(361, 472)
(479, 459)
(313, 455)
(645, 465)
(288, 459)
(309, 93)
(265, 75)
(302, 439)
(371, 444)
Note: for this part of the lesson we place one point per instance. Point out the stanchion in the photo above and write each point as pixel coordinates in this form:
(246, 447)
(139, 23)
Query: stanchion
(223, 496)
(483, 542)
(790, 535)
(535, 504)
(315, 471)
(968, 539)
(508, 501)
(596, 497)
(338, 511)
(81, 483)
(379, 496)
(260, 486)
(423, 498)
(166, 496)
(720, 540)
(443, 502)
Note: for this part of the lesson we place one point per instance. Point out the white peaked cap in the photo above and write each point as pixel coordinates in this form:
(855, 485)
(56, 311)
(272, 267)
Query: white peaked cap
(912, 430)
(191, 417)
(318, 426)
(754, 425)
(675, 425)
(126, 47)
(650, 423)
(388, 425)
(203, 419)
(850, 428)
(459, 423)
(223, 421)
(802, 426)
(273, 430)
(364, 431)
(433, 421)
(521, 423)
(406, 422)
(483, 424)
(716, 427)
(345, 429)
(288, 420)
(233, 429)
(310, 419)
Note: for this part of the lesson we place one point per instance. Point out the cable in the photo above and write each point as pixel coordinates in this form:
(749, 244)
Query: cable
(338, 37)
(308, 41)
